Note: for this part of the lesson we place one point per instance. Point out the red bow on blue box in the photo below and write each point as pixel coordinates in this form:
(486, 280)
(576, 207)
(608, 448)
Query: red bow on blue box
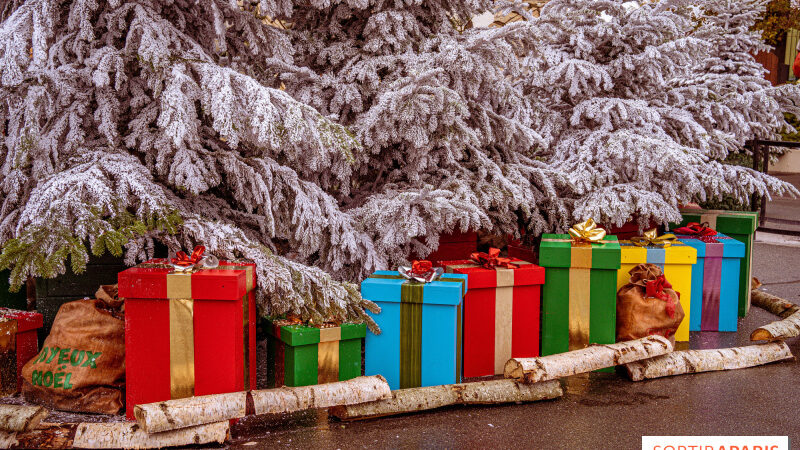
(701, 231)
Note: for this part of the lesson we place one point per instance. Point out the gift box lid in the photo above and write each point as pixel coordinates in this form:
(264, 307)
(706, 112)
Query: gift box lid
(556, 251)
(730, 222)
(156, 279)
(725, 247)
(26, 320)
(294, 335)
(386, 286)
(677, 253)
(524, 274)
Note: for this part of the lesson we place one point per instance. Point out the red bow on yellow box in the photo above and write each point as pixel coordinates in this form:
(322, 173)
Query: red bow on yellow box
(702, 231)
(656, 289)
(492, 259)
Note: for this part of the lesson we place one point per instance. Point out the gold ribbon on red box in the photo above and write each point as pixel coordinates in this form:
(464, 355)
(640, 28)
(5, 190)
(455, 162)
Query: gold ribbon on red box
(181, 316)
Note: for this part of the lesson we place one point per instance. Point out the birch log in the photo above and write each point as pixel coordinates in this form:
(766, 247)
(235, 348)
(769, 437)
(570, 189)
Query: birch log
(20, 418)
(190, 411)
(781, 329)
(533, 370)
(350, 392)
(773, 304)
(695, 361)
(130, 435)
(8, 439)
(432, 397)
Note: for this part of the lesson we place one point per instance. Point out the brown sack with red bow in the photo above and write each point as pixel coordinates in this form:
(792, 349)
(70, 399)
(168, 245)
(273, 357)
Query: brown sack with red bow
(647, 305)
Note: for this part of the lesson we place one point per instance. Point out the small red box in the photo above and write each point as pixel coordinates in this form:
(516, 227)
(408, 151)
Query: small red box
(628, 229)
(18, 339)
(516, 249)
(453, 246)
(501, 314)
(187, 333)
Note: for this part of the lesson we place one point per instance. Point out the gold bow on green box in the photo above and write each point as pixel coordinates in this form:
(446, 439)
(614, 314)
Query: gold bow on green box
(587, 231)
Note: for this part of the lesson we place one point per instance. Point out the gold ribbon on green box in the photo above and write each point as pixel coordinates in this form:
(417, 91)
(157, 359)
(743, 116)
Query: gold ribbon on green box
(328, 354)
(584, 236)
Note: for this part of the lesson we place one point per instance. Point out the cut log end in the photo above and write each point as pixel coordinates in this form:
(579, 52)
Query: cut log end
(21, 418)
(761, 335)
(513, 369)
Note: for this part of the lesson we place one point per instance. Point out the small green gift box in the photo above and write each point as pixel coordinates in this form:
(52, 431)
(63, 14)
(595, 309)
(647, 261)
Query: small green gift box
(301, 355)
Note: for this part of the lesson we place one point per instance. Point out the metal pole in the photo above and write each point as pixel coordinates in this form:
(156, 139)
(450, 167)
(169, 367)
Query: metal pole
(754, 148)
(763, 212)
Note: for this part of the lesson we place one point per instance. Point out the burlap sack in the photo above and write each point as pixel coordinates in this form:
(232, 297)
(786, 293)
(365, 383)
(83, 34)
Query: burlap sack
(640, 315)
(81, 366)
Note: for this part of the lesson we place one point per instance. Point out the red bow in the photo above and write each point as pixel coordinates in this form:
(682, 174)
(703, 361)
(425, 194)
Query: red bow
(656, 289)
(184, 260)
(703, 232)
(421, 267)
(492, 259)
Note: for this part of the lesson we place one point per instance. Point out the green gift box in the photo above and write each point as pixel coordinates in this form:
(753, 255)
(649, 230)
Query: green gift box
(740, 225)
(300, 355)
(579, 298)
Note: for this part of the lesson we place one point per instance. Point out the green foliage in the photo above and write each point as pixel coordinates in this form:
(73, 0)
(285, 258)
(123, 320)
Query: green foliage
(792, 120)
(778, 19)
(43, 251)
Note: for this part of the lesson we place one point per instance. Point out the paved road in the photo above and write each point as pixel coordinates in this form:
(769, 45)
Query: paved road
(784, 208)
(598, 411)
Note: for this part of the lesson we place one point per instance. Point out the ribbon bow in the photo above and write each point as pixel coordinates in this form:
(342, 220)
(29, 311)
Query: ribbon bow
(587, 231)
(656, 289)
(702, 231)
(492, 259)
(422, 271)
(183, 262)
(651, 237)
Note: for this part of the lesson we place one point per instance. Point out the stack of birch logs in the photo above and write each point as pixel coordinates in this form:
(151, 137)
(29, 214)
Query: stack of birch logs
(205, 419)
(187, 421)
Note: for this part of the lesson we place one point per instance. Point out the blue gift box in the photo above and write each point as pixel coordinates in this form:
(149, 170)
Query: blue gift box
(421, 327)
(715, 282)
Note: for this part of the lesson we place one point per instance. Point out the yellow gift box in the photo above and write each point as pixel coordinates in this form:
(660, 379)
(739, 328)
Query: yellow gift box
(673, 257)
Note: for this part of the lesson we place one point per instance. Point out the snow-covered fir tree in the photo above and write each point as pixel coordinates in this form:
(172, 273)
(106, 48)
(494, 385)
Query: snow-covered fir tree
(324, 140)
(643, 103)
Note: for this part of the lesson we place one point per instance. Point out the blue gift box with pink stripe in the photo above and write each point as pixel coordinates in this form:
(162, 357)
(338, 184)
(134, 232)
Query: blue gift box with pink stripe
(715, 282)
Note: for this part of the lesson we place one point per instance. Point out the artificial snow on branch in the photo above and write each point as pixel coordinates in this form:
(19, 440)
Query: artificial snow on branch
(326, 140)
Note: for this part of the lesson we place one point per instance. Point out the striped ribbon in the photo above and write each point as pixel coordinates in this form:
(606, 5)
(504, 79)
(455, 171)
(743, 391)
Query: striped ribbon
(411, 301)
(655, 255)
(712, 279)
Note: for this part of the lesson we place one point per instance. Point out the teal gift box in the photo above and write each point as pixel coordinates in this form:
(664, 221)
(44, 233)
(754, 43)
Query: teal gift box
(715, 282)
(421, 329)
(740, 225)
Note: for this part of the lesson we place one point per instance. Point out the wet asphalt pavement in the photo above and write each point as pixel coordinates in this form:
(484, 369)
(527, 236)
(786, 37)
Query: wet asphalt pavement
(598, 410)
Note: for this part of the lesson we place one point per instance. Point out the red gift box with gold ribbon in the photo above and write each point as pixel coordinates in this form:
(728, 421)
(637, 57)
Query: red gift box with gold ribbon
(188, 332)
(501, 310)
